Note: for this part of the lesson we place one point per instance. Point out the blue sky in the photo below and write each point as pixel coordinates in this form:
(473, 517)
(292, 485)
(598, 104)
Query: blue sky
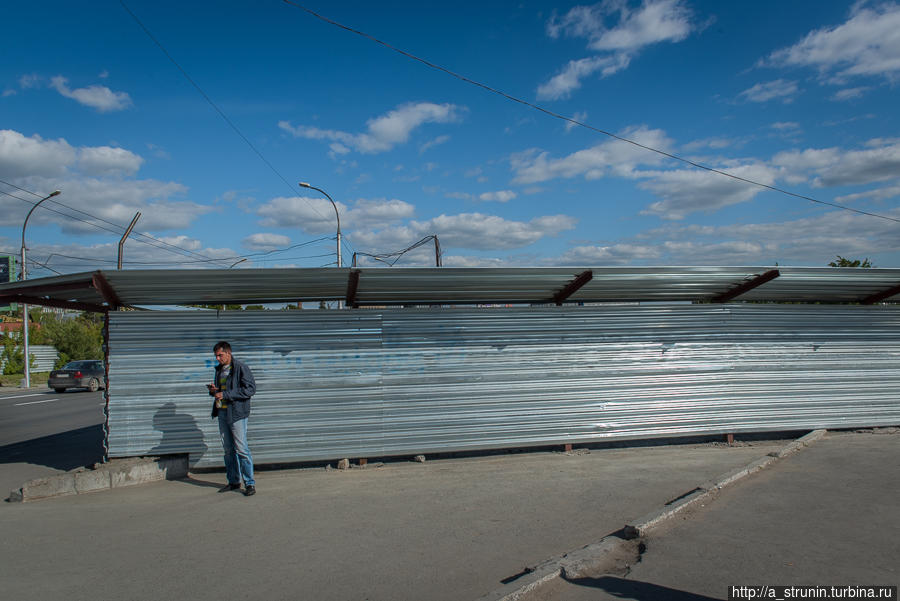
(797, 95)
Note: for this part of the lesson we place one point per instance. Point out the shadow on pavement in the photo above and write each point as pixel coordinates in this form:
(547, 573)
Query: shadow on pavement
(65, 451)
(639, 591)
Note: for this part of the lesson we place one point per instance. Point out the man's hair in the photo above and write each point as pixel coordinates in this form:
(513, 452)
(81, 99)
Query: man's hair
(222, 346)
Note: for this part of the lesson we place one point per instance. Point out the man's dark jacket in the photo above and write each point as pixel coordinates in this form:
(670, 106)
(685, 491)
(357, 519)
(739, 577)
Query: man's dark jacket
(239, 387)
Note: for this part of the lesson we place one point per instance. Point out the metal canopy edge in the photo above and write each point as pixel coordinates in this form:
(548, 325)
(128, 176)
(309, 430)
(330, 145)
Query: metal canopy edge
(103, 290)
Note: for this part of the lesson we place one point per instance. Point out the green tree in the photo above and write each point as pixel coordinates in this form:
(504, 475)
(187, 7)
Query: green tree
(842, 262)
(13, 353)
(76, 339)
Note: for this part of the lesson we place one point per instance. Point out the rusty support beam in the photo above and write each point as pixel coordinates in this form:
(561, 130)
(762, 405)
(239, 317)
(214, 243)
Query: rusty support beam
(106, 291)
(880, 296)
(51, 302)
(363, 461)
(572, 287)
(567, 448)
(352, 287)
(747, 286)
(729, 438)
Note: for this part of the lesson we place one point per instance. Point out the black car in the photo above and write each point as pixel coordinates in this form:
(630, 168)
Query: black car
(78, 374)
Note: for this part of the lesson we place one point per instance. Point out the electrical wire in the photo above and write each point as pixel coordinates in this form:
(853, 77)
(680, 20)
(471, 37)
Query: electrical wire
(215, 106)
(575, 121)
(106, 229)
(91, 260)
(397, 254)
(116, 225)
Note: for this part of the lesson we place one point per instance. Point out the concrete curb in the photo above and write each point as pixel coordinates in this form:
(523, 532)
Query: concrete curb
(594, 559)
(115, 474)
(641, 526)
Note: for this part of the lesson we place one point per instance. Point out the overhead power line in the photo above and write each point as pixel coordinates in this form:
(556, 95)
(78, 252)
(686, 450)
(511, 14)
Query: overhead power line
(397, 255)
(157, 243)
(216, 107)
(575, 121)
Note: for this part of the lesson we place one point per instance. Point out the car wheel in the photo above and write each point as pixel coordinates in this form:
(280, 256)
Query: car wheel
(59, 389)
(93, 385)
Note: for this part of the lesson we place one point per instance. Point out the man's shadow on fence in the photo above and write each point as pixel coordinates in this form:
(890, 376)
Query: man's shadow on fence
(181, 435)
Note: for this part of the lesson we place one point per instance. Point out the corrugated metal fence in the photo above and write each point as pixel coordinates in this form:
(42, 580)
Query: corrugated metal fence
(44, 358)
(366, 383)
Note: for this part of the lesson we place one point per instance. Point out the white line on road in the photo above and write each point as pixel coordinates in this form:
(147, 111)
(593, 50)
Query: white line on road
(21, 396)
(36, 402)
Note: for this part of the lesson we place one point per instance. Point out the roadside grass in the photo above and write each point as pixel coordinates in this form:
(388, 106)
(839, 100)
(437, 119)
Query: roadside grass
(14, 380)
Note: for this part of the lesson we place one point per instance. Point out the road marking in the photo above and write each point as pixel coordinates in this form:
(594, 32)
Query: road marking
(22, 396)
(35, 402)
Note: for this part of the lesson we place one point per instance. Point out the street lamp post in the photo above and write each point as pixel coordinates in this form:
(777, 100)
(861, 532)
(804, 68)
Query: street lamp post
(338, 216)
(24, 305)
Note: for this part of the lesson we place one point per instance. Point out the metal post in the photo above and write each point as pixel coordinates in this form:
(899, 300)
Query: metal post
(127, 233)
(437, 251)
(24, 305)
(338, 216)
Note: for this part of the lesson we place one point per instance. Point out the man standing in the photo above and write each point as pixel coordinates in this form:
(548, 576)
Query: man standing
(231, 391)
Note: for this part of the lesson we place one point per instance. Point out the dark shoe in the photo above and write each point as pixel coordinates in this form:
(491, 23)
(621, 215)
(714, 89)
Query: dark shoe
(229, 487)
(250, 491)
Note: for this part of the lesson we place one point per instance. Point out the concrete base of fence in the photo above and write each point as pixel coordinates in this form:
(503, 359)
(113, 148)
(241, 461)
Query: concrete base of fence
(115, 474)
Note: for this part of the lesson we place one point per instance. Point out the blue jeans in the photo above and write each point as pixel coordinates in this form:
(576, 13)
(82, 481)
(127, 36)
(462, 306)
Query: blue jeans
(237, 451)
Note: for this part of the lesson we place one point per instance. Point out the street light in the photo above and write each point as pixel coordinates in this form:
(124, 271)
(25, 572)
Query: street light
(336, 214)
(24, 275)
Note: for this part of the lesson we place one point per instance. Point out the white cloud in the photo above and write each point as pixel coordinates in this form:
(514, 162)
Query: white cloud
(716, 143)
(867, 44)
(850, 93)
(785, 126)
(266, 241)
(316, 215)
(105, 160)
(614, 157)
(569, 78)
(653, 22)
(475, 231)
(779, 89)
(490, 232)
(70, 258)
(837, 167)
(614, 254)
(498, 196)
(83, 176)
(468, 261)
(878, 194)
(807, 241)
(382, 133)
(688, 191)
(581, 117)
(432, 143)
(115, 201)
(21, 156)
(31, 80)
(98, 97)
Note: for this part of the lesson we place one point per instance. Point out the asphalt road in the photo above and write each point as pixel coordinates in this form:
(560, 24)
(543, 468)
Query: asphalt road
(825, 516)
(443, 530)
(43, 432)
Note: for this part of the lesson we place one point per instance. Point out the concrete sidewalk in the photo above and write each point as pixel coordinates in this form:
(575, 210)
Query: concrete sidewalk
(827, 515)
(447, 529)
